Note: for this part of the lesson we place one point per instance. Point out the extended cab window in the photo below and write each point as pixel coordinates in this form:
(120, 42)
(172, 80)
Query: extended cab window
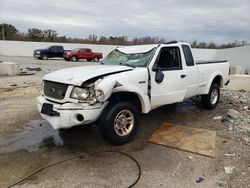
(55, 49)
(169, 59)
(188, 55)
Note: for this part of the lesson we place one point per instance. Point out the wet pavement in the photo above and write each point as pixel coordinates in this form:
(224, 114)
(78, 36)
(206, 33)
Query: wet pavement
(37, 134)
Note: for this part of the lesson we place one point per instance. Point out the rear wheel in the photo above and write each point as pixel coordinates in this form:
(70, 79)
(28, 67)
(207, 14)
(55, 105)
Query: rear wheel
(211, 100)
(74, 58)
(119, 122)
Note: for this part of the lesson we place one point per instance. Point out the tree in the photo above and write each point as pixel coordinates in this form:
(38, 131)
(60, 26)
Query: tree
(50, 35)
(92, 39)
(35, 34)
(8, 31)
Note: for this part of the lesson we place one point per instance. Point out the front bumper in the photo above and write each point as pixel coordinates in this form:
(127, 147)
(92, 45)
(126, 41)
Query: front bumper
(65, 115)
(37, 55)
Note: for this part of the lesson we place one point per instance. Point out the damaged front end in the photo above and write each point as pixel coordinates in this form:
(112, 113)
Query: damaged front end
(93, 92)
(79, 104)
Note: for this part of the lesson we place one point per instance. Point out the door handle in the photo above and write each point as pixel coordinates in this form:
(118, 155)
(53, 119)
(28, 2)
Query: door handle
(183, 75)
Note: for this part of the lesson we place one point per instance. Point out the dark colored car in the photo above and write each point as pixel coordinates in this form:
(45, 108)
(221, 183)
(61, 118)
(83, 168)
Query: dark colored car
(82, 53)
(51, 51)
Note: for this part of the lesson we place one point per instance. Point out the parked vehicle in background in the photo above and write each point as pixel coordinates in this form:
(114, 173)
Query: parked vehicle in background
(49, 52)
(131, 80)
(82, 53)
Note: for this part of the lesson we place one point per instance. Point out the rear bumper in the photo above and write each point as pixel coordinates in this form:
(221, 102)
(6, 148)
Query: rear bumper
(66, 115)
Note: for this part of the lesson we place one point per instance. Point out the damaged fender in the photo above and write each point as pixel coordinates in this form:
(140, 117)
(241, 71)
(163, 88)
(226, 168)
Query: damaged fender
(104, 88)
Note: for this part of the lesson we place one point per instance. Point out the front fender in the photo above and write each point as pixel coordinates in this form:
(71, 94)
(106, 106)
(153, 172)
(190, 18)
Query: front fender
(144, 99)
(106, 86)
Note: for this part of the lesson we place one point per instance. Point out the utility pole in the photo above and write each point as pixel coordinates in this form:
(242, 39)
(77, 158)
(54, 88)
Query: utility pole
(3, 31)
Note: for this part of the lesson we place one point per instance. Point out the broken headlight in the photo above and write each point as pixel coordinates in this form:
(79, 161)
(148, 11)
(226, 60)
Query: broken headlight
(99, 95)
(80, 93)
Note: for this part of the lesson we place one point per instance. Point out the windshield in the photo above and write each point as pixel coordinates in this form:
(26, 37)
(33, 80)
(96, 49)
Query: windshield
(134, 60)
(75, 50)
(48, 47)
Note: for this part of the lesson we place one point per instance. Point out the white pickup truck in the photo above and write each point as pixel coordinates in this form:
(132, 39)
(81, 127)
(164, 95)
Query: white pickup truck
(131, 80)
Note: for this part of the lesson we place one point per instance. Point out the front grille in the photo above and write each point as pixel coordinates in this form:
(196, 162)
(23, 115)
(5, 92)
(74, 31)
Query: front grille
(55, 90)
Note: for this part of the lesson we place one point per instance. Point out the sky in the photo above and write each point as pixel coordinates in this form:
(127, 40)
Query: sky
(216, 21)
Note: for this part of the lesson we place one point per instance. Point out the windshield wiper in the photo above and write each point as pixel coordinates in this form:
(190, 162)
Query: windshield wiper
(126, 64)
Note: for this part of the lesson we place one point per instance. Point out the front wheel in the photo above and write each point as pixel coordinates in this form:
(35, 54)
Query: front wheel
(74, 58)
(44, 57)
(211, 100)
(119, 122)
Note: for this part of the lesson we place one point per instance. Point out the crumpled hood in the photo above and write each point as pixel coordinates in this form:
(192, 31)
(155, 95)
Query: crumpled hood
(78, 75)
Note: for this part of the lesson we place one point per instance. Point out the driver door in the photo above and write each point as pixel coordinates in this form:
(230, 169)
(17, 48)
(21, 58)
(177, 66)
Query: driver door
(172, 85)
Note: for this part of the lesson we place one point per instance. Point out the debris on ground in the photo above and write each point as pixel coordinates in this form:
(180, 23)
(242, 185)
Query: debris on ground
(29, 71)
(190, 157)
(217, 118)
(229, 169)
(230, 154)
(24, 73)
(234, 114)
(34, 68)
(199, 180)
(245, 140)
(230, 128)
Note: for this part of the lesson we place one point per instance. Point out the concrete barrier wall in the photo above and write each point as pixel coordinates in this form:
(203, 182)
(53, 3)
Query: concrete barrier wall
(239, 56)
(239, 82)
(21, 48)
(204, 54)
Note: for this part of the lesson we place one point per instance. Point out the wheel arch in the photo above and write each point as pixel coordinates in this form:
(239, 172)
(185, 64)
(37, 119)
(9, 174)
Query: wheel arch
(129, 96)
(216, 78)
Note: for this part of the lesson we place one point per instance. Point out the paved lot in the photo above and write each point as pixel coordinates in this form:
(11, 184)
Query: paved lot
(28, 142)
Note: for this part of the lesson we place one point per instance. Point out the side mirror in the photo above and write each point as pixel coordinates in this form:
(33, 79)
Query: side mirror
(159, 76)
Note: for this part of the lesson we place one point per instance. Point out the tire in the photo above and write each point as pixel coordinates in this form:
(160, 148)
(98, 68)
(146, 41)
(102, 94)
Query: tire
(44, 57)
(96, 59)
(88, 59)
(211, 100)
(115, 119)
(74, 59)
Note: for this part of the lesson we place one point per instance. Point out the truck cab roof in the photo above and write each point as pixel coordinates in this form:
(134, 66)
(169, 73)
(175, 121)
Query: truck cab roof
(146, 48)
